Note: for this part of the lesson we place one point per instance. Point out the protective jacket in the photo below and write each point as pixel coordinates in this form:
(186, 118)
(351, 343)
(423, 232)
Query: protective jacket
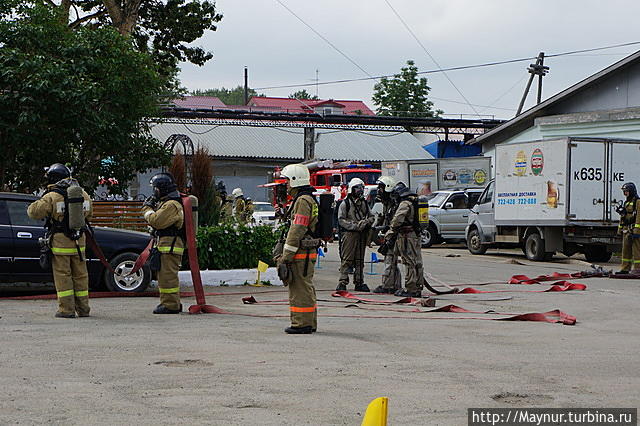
(52, 207)
(304, 219)
(630, 221)
(168, 221)
(354, 215)
(239, 207)
(405, 218)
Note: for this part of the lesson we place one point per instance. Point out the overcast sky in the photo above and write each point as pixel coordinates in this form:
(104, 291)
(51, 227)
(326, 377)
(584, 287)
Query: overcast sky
(279, 50)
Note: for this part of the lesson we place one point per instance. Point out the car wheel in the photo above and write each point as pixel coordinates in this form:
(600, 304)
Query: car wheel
(429, 236)
(534, 248)
(474, 242)
(597, 254)
(122, 264)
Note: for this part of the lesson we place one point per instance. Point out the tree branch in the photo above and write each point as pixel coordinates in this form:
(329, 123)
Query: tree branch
(84, 19)
(115, 13)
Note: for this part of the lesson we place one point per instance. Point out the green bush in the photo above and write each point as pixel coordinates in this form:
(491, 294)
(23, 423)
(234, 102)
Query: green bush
(235, 247)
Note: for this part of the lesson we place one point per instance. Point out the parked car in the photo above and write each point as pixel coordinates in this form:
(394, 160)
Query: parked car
(20, 253)
(448, 215)
(263, 213)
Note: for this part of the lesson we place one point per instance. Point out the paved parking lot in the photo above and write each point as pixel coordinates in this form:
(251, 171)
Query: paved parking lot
(125, 365)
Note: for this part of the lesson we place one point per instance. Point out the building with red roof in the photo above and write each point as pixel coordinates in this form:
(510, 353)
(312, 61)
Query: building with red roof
(318, 106)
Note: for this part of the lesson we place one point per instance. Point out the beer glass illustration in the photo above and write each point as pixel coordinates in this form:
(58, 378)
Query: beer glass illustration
(552, 194)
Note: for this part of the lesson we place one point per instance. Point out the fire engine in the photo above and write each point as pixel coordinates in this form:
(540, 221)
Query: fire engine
(326, 177)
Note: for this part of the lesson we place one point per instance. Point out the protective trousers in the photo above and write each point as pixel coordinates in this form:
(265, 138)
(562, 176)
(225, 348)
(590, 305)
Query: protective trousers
(168, 282)
(302, 294)
(352, 249)
(391, 277)
(72, 284)
(408, 248)
(630, 252)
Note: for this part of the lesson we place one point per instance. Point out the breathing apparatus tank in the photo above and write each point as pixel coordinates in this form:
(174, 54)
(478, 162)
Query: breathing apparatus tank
(324, 228)
(76, 211)
(423, 210)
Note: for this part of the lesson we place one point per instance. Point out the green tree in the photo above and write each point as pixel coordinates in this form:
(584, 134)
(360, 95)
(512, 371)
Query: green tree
(227, 96)
(302, 94)
(163, 28)
(404, 95)
(77, 97)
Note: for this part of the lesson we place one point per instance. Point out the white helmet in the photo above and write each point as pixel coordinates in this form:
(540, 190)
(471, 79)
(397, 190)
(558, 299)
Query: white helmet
(388, 183)
(298, 175)
(355, 182)
(237, 192)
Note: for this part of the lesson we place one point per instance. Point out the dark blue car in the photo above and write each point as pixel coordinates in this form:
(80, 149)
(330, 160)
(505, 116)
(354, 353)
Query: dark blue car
(20, 253)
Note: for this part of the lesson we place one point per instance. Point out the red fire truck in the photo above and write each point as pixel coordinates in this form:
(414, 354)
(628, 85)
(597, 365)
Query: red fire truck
(326, 176)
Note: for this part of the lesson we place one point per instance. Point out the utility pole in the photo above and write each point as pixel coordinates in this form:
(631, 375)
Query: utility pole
(309, 143)
(246, 85)
(534, 69)
(317, 84)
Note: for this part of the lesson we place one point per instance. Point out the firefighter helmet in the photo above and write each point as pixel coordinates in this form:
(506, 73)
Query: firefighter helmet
(401, 190)
(163, 184)
(387, 182)
(355, 182)
(298, 175)
(56, 172)
(237, 192)
(631, 188)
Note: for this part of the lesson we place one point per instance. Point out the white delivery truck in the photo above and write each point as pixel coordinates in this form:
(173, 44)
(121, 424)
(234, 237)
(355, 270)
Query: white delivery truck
(425, 176)
(555, 196)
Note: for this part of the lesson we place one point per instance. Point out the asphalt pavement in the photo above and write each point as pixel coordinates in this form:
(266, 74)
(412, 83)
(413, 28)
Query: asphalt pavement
(124, 365)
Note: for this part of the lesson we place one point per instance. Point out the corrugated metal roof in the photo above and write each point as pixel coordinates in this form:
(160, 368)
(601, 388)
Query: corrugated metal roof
(288, 143)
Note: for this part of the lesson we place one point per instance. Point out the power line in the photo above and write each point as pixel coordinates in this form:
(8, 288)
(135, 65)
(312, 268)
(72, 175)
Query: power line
(325, 39)
(430, 56)
(458, 68)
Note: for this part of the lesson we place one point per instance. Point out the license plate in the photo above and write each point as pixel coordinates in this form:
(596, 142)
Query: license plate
(602, 240)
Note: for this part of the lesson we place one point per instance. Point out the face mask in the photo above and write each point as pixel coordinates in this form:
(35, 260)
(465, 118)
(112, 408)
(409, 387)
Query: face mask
(358, 191)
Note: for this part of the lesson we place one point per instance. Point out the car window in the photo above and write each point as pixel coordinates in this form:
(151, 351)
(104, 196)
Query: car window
(473, 198)
(487, 195)
(438, 198)
(18, 214)
(263, 208)
(459, 201)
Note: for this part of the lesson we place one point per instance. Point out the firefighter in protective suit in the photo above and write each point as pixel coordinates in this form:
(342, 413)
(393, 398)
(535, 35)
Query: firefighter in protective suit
(239, 206)
(629, 228)
(405, 228)
(164, 212)
(299, 250)
(355, 220)
(391, 278)
(67, 246)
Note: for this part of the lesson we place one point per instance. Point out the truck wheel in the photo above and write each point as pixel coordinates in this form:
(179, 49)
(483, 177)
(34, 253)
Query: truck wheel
(429, 236)
(134, 283)
(534, 247)
(474, 242)
(597, 254)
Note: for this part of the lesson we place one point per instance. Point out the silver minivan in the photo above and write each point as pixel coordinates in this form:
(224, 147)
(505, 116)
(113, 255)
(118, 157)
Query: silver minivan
(448, 215)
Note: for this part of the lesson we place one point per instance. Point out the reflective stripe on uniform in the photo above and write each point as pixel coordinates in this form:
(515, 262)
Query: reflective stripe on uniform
(312, 256)
(169, 290)
(298, 309)
(60, 250)
(288, 247)
(167, 249)
(637, 225)
(65, 293)
(627, 260)
(82, 293)
(636, 261)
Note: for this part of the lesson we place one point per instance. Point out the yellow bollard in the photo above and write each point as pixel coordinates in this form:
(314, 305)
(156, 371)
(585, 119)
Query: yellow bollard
(376, 414)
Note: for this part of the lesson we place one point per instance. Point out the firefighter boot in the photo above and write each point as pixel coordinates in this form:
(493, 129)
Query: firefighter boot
(299, 330)
(383, 290)
(363, 287)
(62, 315)
(341, 287)
(161, 309)
(406, 293)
